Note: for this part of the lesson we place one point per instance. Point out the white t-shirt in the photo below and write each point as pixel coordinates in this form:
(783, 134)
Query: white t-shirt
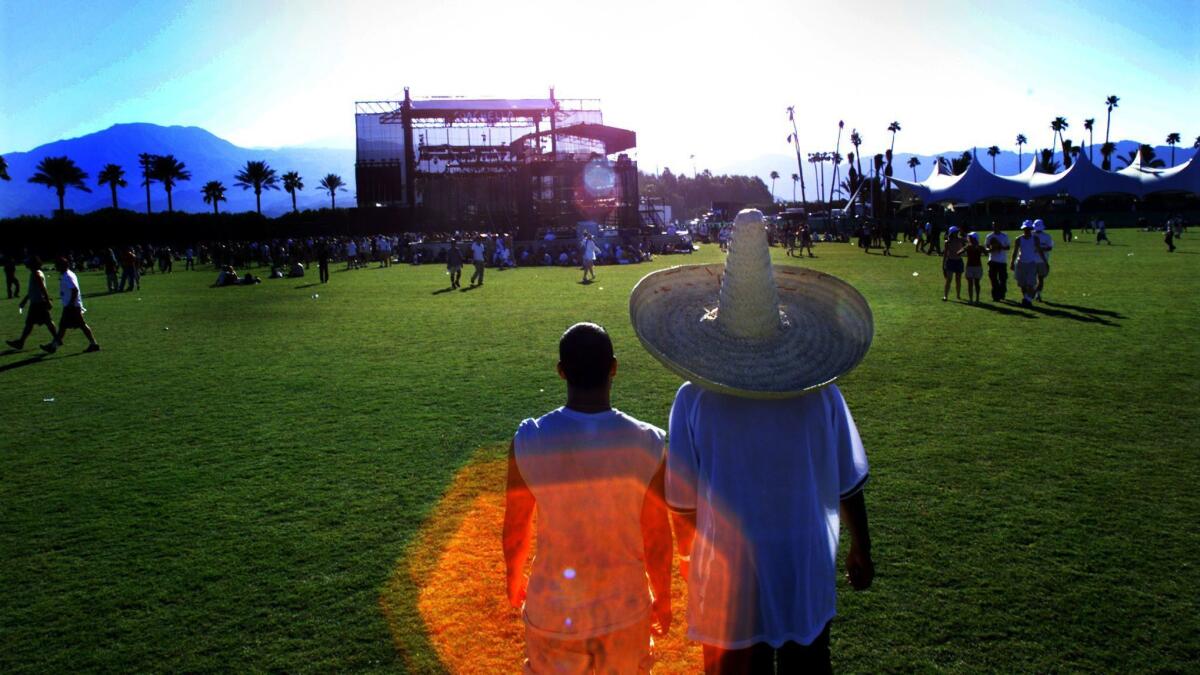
(766, 478)
(1026, 249)
(589, 474)
(997, 256)
(589, 250)
(66, 283)
(1047, 244)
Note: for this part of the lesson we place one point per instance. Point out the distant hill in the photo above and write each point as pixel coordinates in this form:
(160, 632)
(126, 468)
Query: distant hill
(1006, 164)
(207, 156)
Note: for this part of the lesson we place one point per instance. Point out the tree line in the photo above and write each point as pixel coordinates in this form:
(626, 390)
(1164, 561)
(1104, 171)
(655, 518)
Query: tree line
(60, 173)
(690, 196)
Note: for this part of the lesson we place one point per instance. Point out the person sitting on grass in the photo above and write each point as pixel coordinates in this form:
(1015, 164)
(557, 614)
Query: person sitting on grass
(72, 309)
(600, 583)
(226, 277)
(38, 300)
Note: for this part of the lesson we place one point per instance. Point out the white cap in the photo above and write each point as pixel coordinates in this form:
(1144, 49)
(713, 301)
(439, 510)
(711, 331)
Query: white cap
(1039, 225)
(1027, 225)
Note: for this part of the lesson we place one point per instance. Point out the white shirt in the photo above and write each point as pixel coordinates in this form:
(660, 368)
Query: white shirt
(997, 256)
(1027, 249)
(589, 250)
(66, 283)
(1047, 244)
(766, 478)
(477, 252)
(589, 474)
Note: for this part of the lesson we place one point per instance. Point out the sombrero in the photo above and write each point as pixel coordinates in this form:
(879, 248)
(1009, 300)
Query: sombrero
(750, 328)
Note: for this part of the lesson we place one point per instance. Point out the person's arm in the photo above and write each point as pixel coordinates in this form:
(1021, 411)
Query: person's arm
(518, 529)
(40, 280)
(74, 296)
(860, 568)
(685, 532)
(656, 542)
(1012, 259)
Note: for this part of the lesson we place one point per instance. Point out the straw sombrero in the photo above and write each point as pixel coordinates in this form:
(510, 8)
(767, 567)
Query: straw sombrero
(749, 328)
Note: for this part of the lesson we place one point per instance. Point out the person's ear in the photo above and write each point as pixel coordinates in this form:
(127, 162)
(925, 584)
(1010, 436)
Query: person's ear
(612, 371)
(561, 373)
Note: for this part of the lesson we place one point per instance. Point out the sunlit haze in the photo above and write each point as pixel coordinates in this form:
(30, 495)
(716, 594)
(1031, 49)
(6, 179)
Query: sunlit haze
(699, 78)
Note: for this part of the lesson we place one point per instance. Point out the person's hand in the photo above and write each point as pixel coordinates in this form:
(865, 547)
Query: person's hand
(516, 590)
(660, 616)
(860, 569)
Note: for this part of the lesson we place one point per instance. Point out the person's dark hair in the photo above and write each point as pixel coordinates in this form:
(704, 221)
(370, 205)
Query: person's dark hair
(586, 354)
(34, 262)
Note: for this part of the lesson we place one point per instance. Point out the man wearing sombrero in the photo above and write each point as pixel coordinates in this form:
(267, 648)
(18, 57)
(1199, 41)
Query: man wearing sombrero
(763, 450)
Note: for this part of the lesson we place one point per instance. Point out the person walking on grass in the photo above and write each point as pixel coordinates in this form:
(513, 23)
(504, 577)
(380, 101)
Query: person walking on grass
(589, 258)
(997, 246)
(1066, 229)
(600, 582)
(72, 309)
(1169, 237)
(454, 263)
(477, 259)
(1026, 256)
(762, 459)
(974, 273)
(952, 262)
(12, 286)
(1047, 243)
(38, 299)
(1101, 232)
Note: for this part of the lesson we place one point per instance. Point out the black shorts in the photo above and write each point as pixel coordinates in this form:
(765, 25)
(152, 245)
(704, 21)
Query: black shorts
(39, 314)
(72, 317)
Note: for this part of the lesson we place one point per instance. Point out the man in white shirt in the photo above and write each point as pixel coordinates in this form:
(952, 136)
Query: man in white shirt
(600, 583)
(589, 258)
(72, 309)
(1027, 253)
(997, 246)
(477, 259)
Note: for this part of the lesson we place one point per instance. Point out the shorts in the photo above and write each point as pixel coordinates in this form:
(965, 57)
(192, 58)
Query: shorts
(39, 314)
(625, 650)
(588, 264)
(1027, 274)
(974, 272)
(953, 266)
(454, 268)
(72, 317)
(1043, 269)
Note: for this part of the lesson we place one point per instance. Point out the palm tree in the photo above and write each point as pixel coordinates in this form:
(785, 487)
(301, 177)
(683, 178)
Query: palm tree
(1106, 151)
(1147, 156)
(168, 170)
(60, 173)
(959, 165)
(1088, 125)
(1021, 140)
(214, 193)
(1173, 139)
(1195, 145)
(774, 177)
(1111, 102)
(332, 183)
(992, 152)
(113, 176)
(943, 165)
(292, 182)
(795, 180)
(894, 127)
(1047, 163)
(257, 174)
(1059, 125)
(4, 169)
(856, 140)
(146, 162)
(913, 163)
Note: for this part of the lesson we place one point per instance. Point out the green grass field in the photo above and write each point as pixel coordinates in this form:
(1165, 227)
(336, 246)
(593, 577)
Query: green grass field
(234, 481)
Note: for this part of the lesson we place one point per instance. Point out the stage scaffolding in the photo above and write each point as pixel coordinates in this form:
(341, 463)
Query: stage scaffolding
(512, 165)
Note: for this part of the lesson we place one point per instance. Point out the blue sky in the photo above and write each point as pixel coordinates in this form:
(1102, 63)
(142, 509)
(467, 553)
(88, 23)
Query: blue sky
(704, 78)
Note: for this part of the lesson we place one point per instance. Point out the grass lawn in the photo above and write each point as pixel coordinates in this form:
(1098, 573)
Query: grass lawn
(293, 477)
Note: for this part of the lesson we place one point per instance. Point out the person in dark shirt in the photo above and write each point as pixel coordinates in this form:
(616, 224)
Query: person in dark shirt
(11, 284)
(454, 263)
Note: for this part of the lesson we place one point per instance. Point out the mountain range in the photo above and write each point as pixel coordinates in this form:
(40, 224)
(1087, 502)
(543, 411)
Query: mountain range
(209, 157)
(205, 155)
